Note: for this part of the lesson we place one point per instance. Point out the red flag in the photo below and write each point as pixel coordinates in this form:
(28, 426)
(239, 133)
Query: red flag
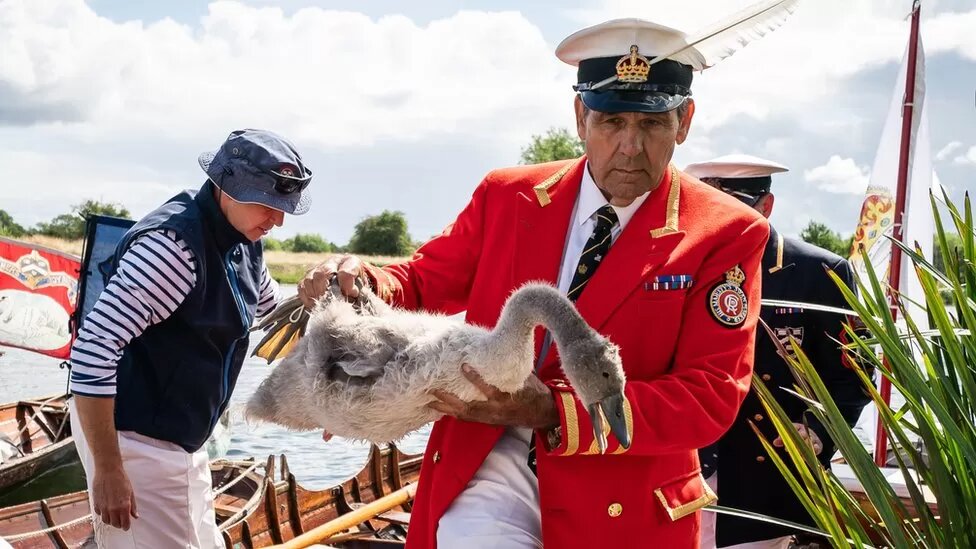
(38, 294)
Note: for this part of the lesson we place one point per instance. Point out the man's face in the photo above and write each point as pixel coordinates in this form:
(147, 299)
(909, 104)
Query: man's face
(628, 152)
(254, 221)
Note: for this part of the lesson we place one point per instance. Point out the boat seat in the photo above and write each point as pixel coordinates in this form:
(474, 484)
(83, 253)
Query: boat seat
(223, 508)
(393, 517)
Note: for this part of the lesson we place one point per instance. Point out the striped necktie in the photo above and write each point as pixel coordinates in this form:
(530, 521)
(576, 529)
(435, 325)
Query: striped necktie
(596, 249)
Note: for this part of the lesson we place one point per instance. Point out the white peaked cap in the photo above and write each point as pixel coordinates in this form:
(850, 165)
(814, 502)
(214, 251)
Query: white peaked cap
(615, 37)
(735, 166)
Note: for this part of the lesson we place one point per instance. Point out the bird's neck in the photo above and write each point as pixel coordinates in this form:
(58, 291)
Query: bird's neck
(533, 306)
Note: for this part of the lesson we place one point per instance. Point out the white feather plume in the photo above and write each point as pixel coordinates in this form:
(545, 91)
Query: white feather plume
(736, 31)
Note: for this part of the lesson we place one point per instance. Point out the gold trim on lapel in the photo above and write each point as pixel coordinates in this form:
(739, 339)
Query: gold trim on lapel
(779, 255)
(674, 195)
(542, 189)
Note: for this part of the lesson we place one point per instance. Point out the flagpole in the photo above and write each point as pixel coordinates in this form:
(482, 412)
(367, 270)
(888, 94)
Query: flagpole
(894, 268)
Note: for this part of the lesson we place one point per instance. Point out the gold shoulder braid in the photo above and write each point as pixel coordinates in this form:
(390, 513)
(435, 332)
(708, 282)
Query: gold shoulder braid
(542, 189)
(779, 255)
(671, 210)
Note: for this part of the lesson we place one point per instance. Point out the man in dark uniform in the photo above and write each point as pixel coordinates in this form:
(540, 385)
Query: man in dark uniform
(792, 270)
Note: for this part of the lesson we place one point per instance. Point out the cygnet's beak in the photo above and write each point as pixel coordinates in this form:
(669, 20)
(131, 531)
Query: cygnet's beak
(610, 409)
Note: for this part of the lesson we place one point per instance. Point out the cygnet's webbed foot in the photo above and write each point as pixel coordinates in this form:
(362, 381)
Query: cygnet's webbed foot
(611, 410)
(284, 326)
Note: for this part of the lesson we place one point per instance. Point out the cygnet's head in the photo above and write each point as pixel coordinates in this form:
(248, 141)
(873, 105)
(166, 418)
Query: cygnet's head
(596, 373)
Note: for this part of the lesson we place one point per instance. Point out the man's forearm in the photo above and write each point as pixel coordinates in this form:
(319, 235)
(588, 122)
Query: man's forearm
(97, 418)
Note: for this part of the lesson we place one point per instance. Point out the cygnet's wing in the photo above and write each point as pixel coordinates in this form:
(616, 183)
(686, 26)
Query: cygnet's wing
(365, 352)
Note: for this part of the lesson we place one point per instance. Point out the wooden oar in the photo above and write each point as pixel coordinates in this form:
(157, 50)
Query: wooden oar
(343, 523)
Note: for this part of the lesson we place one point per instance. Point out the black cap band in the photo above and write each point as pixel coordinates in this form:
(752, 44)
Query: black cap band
(666, 76)
(751, 185)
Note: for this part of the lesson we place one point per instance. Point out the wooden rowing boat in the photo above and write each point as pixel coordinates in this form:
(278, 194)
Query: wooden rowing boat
(287, 510)
(64, 522)
(257, 505)
(35, 436)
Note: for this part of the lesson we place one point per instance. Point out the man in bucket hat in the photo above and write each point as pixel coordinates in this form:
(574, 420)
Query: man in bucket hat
(156, 360)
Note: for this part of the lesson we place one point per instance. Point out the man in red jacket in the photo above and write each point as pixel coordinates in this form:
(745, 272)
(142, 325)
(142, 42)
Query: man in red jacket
(664, 266)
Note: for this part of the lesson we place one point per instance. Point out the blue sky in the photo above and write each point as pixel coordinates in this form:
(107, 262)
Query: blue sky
(406, 106)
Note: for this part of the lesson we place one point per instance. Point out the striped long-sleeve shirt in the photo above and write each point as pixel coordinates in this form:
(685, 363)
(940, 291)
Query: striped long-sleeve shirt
(154, 277)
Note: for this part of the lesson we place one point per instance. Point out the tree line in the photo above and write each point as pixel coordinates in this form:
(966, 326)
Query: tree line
(382, 234)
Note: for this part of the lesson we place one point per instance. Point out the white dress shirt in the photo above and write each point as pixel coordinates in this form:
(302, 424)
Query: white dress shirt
(500, 505)
(589, 200)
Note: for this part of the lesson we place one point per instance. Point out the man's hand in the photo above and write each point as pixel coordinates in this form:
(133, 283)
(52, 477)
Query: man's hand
(807, 435)
(531, 406)
(316, 281)
(113, 499)
(112, 496)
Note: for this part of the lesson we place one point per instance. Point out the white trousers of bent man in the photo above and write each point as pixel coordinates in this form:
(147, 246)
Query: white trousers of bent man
(174, 497)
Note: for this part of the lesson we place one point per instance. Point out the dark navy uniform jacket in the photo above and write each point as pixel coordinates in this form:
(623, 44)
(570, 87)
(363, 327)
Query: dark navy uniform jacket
(748, 479)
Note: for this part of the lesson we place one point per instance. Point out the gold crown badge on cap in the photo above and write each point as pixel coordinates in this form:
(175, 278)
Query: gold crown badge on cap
(633, 67)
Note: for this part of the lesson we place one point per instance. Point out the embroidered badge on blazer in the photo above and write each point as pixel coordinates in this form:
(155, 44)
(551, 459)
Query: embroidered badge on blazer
(784, 334)
(727, 301)
(669, 282)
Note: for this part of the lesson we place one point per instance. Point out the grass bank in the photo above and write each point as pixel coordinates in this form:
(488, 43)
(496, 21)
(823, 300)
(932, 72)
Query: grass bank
(285, 267)
(289, 267)
(72, 247)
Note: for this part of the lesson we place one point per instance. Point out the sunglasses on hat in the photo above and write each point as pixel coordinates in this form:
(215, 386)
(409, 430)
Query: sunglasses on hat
(286, 182)
(744, 197)
(749, 199)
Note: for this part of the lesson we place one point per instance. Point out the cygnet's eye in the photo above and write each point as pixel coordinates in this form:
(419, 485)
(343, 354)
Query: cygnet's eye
(606, 374)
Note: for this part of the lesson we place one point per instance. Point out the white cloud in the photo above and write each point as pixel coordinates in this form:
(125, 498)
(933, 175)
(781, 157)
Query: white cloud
(119, 111)
(947, 151)
(393, 114)
(968, 159)
(952, 31)
(331, 78)
(67, 179)
(839, 175)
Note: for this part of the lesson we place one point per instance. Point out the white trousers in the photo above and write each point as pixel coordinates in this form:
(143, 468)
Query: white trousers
(500, 506)
(173, 493)
(708, 529)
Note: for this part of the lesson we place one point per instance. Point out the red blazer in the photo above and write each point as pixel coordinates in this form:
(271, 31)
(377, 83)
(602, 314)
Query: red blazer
(687, 370)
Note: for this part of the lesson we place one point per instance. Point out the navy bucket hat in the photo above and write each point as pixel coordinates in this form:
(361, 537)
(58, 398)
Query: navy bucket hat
(260, 167)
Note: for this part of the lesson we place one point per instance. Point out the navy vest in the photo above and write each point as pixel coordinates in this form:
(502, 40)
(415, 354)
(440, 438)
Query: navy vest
(176, 378)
